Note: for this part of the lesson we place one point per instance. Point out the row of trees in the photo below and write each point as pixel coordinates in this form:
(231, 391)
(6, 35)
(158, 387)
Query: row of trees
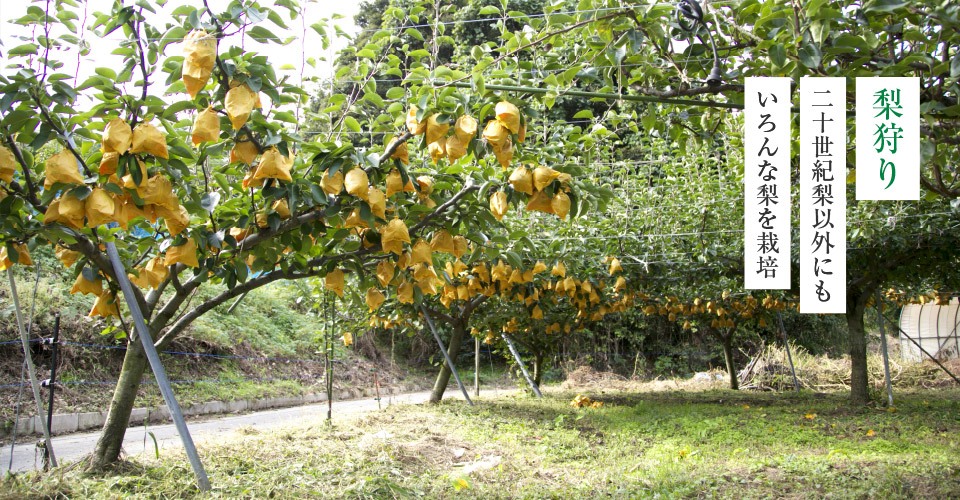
(191, 158)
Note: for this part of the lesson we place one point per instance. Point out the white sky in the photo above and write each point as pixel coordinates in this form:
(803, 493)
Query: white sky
(293, 54)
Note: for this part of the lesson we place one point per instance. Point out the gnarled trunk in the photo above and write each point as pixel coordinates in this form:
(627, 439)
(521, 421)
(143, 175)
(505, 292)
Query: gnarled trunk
(856, 304)
(110, 443)
(537, 367)
(727, 341)
(453, 349)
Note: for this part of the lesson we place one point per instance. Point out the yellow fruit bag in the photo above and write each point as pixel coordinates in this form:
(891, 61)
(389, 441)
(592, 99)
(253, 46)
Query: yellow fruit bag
(99, 208)
(62, 167)
(206, 127)
(185, 254)
(117, 136)
(509, 115)
(199, 57)
(357, 183)
(334, 282)
(148, 139)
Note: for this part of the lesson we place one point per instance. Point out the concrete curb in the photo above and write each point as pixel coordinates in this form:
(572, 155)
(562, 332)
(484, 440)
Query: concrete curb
(67, 423)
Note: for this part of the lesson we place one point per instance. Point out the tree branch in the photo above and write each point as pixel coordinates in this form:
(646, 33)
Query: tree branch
(392, 147)
(159, 323)
(472, 304)
(290, 224)
(135, 28)
(28, 180)
(468, 188)
(60, 132)
(437, 314)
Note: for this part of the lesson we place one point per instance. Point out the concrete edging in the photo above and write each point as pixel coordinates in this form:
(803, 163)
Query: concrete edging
(66, 423)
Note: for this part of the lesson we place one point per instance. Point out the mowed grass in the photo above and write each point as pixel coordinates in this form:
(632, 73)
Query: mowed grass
(676, 444)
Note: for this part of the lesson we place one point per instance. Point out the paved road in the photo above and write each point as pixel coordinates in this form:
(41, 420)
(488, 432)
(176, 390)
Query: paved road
(72, 447)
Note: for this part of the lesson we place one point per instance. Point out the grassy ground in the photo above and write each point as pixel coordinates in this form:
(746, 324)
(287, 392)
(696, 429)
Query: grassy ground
(713, 443)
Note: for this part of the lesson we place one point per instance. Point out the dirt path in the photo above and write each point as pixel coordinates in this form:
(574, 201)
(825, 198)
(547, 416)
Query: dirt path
(72, 447)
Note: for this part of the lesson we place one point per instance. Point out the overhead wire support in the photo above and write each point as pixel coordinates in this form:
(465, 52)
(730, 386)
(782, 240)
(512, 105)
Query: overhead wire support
(600, 95)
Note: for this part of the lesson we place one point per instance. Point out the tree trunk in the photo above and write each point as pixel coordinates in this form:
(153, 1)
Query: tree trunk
(453, 348)
(727, 341)
(537, 367)
(856, 303)
(110, 443)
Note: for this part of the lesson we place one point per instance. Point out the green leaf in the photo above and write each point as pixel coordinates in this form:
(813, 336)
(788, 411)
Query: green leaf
(262, 35)
(374, 98)
(352, 123)
(848, 40)
(27, 49)
(559, 19)
(514, 259)
(489, 10)
(883, 5)
(106, 73)
(414, 33)
(285, 116)
(810, 56)
(584, 113)
(778, 55)
(396, 93)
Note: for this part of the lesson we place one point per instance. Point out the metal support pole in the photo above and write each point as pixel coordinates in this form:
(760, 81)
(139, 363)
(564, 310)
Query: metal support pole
(31, 368)
(476, 367)
(54, 345)
(158, 371)
(523, 368)
(786, 343)
(329, 356)
(236, 303)
(883, 345)
(376, 386)
(446, 356)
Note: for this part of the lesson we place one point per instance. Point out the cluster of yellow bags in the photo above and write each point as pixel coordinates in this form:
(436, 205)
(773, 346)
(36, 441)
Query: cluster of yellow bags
(144, 138)
(152, 274)
(498, 131)
(439, 144)
(534, 182)
(101, 206)
(418, 260)
(106, 300)
(582, 401)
